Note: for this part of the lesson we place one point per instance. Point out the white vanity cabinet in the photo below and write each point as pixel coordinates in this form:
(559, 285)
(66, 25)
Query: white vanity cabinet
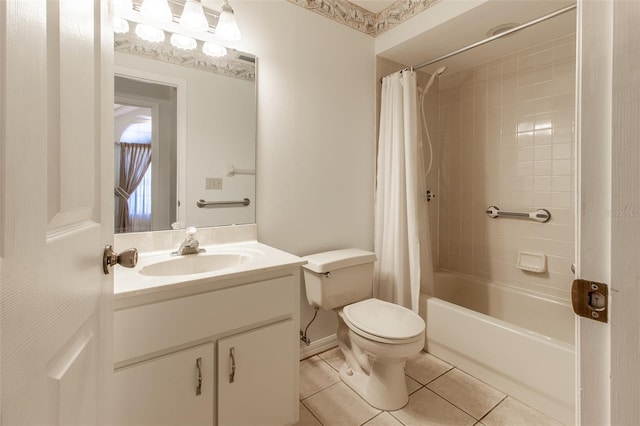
(248, 322)
(175, 389)
(255, 375)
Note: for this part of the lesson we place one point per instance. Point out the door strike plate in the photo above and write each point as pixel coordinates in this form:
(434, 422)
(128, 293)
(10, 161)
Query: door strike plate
(590, 299)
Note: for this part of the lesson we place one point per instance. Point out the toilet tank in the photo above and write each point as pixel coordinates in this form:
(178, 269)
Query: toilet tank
(337, 278)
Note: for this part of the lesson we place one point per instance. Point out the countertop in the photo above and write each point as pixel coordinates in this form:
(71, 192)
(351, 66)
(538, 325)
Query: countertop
(130, 283)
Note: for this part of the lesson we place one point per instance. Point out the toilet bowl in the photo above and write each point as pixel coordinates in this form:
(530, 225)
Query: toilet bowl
(387, 334)
(375, 336)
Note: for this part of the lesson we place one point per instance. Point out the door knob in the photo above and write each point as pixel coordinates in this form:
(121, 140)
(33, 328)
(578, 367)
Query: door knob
(128, 258)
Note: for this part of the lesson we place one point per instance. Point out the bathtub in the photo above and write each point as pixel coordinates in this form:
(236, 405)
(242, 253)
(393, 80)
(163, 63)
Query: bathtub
(515, 341)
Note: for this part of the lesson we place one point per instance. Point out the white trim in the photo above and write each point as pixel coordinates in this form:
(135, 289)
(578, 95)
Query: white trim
(577, 216)
(624, 292)
(594, 200)
(318, 346)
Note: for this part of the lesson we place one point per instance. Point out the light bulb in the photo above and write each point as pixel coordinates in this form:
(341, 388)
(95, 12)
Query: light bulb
(193, 17)
(227, 28)
(120, 26)
(149, 33)
(122, 6)
(183, 42)
(214, 50)
(158, 10)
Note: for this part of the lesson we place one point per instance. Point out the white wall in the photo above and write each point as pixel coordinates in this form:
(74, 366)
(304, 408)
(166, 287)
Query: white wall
(226, 116)
(316, 147)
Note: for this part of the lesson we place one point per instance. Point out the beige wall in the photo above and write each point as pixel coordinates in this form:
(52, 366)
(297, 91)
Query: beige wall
(316, 121)
(507, 139)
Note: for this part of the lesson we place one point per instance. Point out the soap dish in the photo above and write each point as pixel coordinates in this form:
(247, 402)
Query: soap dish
(532, 262)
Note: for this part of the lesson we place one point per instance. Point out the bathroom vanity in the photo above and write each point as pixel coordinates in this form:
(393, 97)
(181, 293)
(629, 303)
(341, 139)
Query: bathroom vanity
(210, 344)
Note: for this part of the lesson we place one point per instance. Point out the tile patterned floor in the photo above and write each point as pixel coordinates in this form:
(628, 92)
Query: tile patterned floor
(439, 394)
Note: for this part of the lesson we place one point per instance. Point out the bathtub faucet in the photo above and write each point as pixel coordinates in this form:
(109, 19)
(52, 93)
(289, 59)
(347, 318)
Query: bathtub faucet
(190, 244)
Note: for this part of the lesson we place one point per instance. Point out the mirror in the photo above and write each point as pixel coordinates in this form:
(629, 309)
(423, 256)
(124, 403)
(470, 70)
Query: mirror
(184, 131)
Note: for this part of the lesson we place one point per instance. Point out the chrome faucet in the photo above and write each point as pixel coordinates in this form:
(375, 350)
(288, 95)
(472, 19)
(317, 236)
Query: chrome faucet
(190, 244)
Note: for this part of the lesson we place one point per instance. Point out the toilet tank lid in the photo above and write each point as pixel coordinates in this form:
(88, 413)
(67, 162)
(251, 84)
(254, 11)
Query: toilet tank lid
(331, 260)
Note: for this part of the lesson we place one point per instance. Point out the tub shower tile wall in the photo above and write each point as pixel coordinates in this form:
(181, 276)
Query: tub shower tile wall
(506, 135)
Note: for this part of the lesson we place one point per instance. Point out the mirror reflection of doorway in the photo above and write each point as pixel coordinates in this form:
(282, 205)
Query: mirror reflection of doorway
(133, 178)
(145, 184)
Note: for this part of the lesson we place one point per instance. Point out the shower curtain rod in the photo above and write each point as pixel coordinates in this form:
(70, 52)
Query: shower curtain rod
(497, 36)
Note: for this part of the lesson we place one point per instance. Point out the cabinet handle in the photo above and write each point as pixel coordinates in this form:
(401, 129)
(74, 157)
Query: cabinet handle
(232, 358)
(199, 368)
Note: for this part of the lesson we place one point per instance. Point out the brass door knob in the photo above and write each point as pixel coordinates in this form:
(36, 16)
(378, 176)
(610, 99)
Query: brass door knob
(128, 258)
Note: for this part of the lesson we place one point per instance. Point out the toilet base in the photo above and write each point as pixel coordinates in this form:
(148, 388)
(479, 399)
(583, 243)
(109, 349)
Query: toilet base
(384, 388)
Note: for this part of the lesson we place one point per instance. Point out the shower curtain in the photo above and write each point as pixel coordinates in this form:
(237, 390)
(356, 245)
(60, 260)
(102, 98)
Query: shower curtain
(401, 234)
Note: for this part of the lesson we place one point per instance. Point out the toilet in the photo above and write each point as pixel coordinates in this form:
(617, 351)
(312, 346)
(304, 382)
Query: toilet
(376, 337)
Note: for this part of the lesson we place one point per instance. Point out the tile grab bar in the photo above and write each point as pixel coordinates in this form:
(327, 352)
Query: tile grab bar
(202, 203)
(540, 215)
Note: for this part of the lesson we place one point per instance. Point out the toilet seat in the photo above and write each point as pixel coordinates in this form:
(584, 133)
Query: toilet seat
(383, 322)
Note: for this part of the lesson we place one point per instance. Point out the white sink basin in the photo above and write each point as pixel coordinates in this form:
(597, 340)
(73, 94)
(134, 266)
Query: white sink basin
(194, 264)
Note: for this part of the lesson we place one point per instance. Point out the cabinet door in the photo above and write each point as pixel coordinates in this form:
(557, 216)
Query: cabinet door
(257, 377)
(163, 391)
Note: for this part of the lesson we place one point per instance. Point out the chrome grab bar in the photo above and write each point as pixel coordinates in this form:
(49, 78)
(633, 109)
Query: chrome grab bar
(232, 171)
(540, 215)
(202, 203)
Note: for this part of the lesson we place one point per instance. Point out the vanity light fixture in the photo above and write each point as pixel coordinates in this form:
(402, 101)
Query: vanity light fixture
(122, 5)
(214, 50)
(154, 17)
(149, 33)
(193, 17)
(183, 42)
(157, 10)
(121, 25)
(227, 28)
(192, 20)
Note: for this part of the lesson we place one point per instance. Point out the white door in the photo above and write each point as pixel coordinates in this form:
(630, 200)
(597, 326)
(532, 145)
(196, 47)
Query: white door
(609, 208)
(56, 210)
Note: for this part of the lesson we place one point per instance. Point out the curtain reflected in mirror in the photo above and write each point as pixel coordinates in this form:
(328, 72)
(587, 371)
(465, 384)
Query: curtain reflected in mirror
(133, 207)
